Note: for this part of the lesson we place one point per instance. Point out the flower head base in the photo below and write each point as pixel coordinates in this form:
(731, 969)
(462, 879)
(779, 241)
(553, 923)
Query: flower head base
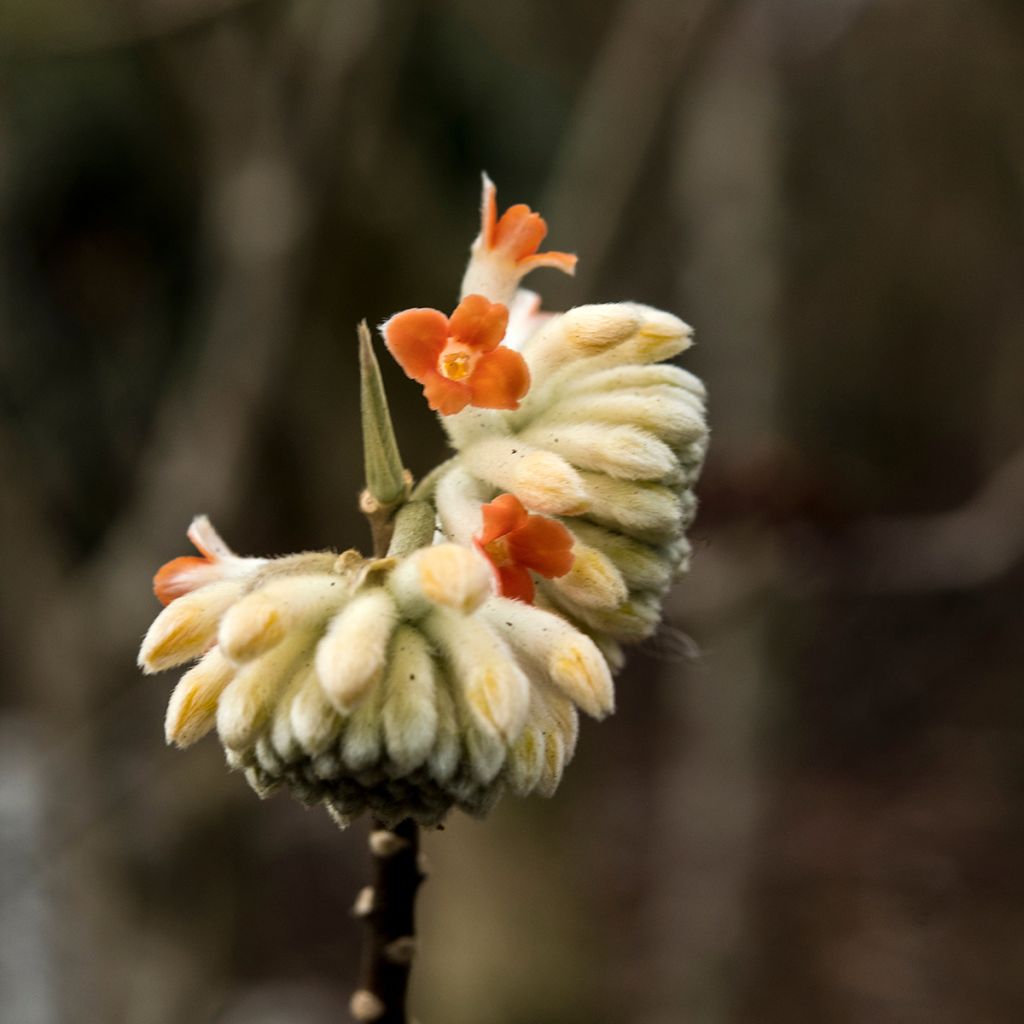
(516, 542)
(459, 360)
(506, 249)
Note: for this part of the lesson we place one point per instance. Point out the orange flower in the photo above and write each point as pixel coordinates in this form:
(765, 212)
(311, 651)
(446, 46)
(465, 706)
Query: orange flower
(517, 235)
(516, 542)
(459, 361)
(182, 575)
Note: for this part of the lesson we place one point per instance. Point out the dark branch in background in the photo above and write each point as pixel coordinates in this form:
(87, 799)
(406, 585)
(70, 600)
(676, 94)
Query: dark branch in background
(387, 907)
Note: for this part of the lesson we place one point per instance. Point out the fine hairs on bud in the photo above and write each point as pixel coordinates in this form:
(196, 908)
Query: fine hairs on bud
(187, 627)
(593, 581)
(192, 711)
(246, 704)
(410, 713)
(620, 451)
(352, 653)
(260, 620)
(490, 682)
(568, 658)
(541, 480)
(452, 575)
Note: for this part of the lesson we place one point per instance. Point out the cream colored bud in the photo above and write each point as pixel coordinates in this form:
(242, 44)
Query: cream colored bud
(447, 749)
(352, 654)
(649, 512)
(488, 680)
(452, 575)
(192, 710)
(642, 566)
(553, 763)
(541, 480)
(633, 379)
(260, 620)
(666, 413)
(246, 705)
(410, 715)
(314, 720)
(620, 451)
(583, 331)
(526, 761)
(459, 496)
(568, 658)
(362, 740)
(187, 627)
(593, 581)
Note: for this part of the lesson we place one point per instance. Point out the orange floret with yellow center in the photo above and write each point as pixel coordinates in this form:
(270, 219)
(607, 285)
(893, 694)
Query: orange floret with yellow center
(459, 360)
(517, 542)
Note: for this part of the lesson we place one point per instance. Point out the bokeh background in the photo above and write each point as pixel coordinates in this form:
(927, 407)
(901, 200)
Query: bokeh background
(810, 804)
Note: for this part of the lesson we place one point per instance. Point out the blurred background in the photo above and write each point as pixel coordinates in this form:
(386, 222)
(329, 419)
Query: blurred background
(810, 804)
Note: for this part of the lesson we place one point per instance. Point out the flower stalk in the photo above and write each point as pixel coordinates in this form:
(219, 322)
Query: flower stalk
(399, 527)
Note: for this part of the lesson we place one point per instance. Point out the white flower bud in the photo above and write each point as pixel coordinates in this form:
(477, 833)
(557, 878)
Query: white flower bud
(642, 566)
(541, 480)
(192, 710)
(452, 575)
(568, 658)
(444, 757)
(246, 704)
(258, 621)
(593, 581)
(352, 653)
(667, 413)
(410, 713)
(482, 668)
(526, 760)
(620, 451)
(314, 720)
(633, 379)
(648, 511)
(187, 627)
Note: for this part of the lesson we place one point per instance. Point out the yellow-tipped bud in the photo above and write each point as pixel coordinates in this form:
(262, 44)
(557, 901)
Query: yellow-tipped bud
(246, 705)
(593, 581)
(187, 627)
(451, 575)
(192, 710)
(410, 715)
(541, 480)
(489, 681)
(352, 654)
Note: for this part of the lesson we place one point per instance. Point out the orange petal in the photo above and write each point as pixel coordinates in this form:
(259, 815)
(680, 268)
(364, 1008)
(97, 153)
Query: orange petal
(181, 576)
(415, 338)
(520, 231)
(488, 212)
(564, 261)
(443, 395)
(499, 380)
(543, 545)
(502, 516)
(479, 323)
(516, 582)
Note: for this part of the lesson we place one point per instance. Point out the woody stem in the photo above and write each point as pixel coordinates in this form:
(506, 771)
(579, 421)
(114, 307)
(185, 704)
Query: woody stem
(387, 908)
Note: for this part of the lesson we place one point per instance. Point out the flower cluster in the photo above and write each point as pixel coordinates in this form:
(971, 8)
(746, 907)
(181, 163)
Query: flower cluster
(454, 670)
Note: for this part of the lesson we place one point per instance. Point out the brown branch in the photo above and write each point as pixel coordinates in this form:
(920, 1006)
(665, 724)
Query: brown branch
(388, 909)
